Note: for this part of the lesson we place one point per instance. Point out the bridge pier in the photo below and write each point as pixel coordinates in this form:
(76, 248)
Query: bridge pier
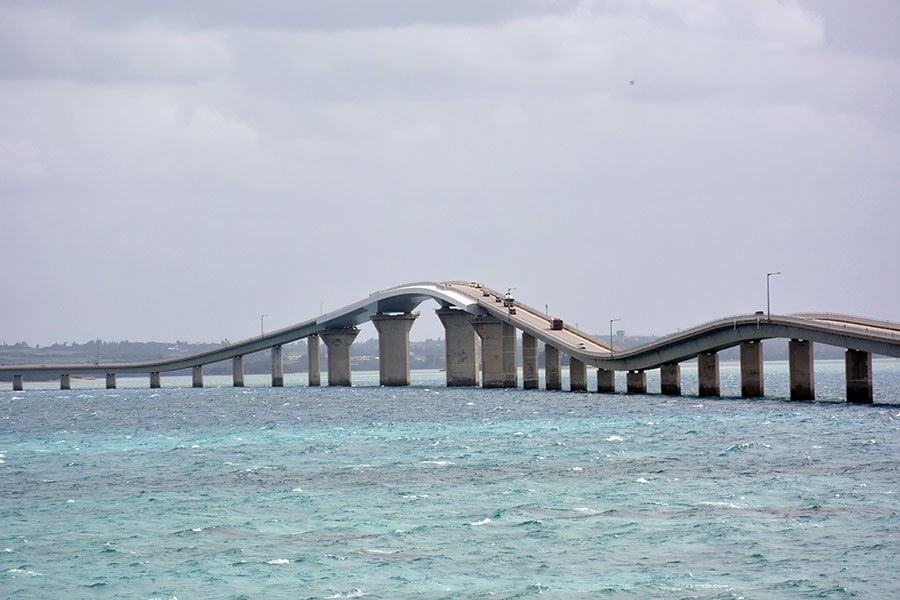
(858, 370)
(277, 366)
(708, 374)
(752, 369)
(800, 358)
(17, 383)
(237, 371)
(460, 347)
(110, 381)
(393, 347)
(197, 376)
(338, 342)
(490, 330)
(530, 380)
(155, 380)
(510, 368)
(552, 370)
(606, 381)
(65, 382)
(636, 382)
(670, 380)
(577, 375)
(313, 370)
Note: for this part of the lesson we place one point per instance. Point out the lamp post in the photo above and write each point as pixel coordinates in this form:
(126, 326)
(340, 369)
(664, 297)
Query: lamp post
(261, 320)
(768, 302)
(611, 321)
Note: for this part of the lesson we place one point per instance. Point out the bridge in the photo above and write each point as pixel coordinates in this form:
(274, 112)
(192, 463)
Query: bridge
(471, 312)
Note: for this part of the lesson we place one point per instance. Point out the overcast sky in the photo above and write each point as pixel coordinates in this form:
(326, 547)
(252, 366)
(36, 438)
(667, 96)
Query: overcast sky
(172, 170)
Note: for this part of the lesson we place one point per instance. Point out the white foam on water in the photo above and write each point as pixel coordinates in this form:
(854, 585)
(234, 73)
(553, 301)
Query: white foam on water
(484, 521)
(615, 438)
(278, 561)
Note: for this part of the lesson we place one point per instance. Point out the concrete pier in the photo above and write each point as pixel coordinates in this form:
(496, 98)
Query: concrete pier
(237, 371)
(277, 366)
(155, 380)
(393, 347)
(752, 369)
(339, 342)
(314, 371)
(110, 381)
(577, 375)
(606, 381)
(708, 374)
(858, 370)
(197, 376)
(65, 382)
(552, 371)
(490, 330)
(460, 347)
(530, 380)
(670, 380)
(17, 383)
(510, 367)
(636, 382)
(800, 356)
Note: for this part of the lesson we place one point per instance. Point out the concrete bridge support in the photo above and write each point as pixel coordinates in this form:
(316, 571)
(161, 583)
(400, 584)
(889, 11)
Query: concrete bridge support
(490, 330)
(552, 374)
(460, 347)
(577, 375)
(510, 368)
(636, 382)
(155, 380)
(752, 369)
(277, 366)
(670, 380)
(65, 382)
(708, 374)
(17, 383)
(800, 357)
(197, 376)
(237, 371)
(530, 380)
(314, 371)
(393, 347)
(339, 342)
(606, 381)
(858, 369)
(110, 381)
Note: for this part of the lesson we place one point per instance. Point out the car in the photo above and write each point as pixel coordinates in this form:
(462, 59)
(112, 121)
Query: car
(582, 345)
(485, 293)
(556, 324)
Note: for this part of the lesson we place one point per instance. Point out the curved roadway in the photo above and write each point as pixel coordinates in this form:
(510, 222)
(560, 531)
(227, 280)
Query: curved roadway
(868, 335)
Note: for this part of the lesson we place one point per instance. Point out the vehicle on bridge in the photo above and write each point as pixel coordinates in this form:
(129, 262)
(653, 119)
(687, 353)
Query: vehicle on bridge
(556, 324)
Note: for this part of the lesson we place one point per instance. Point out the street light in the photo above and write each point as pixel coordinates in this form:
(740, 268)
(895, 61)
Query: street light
(768, 302)
(611, 321)
(261, 320)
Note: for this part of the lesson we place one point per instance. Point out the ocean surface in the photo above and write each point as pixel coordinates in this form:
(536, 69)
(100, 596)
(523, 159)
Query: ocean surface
(435, 492)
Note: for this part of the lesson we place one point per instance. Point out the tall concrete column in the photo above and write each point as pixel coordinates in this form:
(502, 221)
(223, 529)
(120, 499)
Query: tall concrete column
(708, 374)
(670, 380)
(529, 362)
(577, 375)
(510, 367)
(800, 357)
(155, 381)
(460, 347)
(110, 381)
(858, 370)
(490, 330)
(606, 381)
(197, 376)
(314, 372)
(65, 382)
(393, 347)
(237, 371)
(339, 342)
(17, 383)
(277, 366)
(636, 382)
(552, 371)
(752, 369)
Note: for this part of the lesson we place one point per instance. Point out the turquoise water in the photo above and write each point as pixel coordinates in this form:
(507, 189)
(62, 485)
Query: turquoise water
(434, 492)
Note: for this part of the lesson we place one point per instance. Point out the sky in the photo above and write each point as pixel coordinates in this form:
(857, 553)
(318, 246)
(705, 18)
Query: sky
(174, 170)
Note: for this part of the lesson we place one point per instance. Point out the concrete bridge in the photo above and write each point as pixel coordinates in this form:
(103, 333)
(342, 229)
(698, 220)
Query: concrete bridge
(471, 312)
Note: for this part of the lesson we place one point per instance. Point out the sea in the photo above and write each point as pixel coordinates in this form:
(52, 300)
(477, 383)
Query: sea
(434, 492)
